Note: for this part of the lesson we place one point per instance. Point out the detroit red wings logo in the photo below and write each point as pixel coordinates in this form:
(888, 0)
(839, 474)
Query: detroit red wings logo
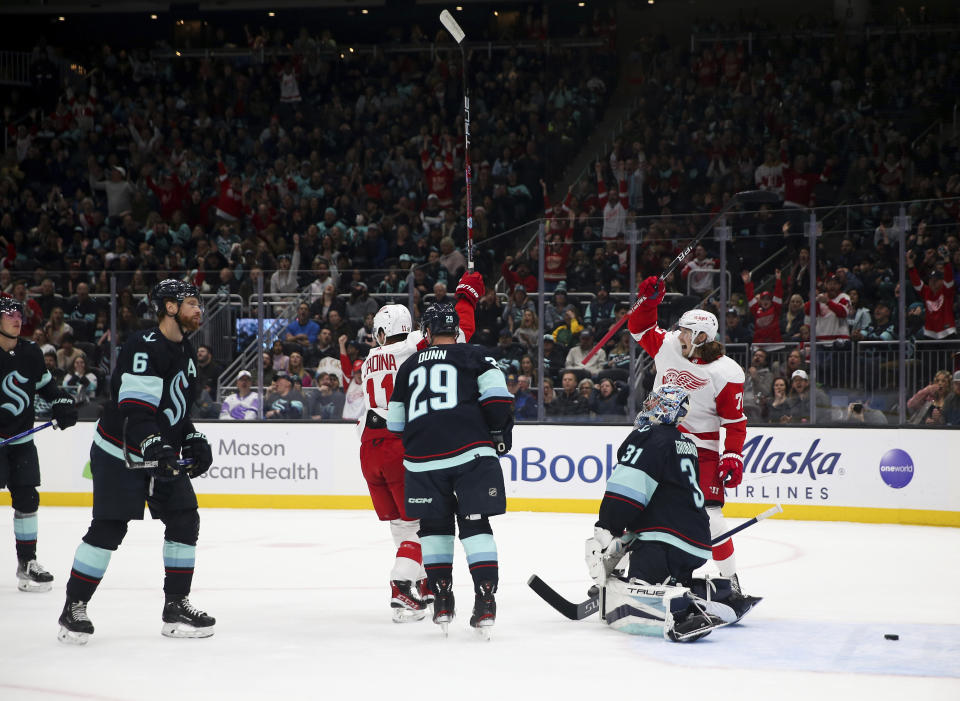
(687, 380)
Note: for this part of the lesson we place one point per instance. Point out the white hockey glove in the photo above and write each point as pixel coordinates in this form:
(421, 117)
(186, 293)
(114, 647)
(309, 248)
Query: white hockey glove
(602, 553)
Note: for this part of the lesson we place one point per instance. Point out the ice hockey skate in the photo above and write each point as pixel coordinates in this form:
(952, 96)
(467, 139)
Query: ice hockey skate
(443, 605)
(423, 587)
(405, 605)
(484, 611)
(32, 577)
(741, 603)
(75, 625)
(181, 619)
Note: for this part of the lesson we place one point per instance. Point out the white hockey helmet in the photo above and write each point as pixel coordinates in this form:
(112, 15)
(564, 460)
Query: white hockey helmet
(392, 320)
(698, 320)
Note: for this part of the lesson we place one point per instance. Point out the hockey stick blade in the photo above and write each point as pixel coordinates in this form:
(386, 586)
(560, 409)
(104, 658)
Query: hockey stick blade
(450, 24)
(575, 612)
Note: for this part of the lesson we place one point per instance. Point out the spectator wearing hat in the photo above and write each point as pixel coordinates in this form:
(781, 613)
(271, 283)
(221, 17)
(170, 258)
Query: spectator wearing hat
(507, 352)
(120, 191)
(951, 405)
(601, 310)
(244, 404)
(568, 333)
(833, 308)
(360, 304)
(737, 332)
(765, 309)
(937, 295)
(327, 402)
(553, 312)
(554, 356)
(284, 280)
(576, 355)
(284, 402)
(518, 303)
(800, 399)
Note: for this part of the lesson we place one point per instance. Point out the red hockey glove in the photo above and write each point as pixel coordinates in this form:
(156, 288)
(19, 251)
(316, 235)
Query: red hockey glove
(652, 290)
(471, 288)
(730, 469)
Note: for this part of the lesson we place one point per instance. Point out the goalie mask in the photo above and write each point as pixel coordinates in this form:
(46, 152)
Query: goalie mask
(392, 320)
(667, 404)
(697, 321)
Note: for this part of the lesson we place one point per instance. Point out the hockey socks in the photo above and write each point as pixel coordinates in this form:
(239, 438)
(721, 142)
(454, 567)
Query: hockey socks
(178, 563)
(437, 557)
(25, 533)
(89, 565)
(481, 553)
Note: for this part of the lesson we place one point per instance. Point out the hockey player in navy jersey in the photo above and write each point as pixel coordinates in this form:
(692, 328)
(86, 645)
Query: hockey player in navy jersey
(653, 508)
(23, 375)
(146, 422)
(453, 408)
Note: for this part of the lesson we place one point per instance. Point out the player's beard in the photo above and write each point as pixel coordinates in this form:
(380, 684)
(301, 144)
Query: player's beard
(188, 324)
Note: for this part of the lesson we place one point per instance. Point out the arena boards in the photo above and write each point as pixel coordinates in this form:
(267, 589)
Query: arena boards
(832, 474)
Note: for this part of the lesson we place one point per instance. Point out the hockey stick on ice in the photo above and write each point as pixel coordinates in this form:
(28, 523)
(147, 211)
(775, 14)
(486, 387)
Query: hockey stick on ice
(577, 612)
(747, 196)
(451, 25)
(28, 432)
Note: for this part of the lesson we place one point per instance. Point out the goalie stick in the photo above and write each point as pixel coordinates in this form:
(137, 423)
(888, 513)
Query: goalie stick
(577, 612)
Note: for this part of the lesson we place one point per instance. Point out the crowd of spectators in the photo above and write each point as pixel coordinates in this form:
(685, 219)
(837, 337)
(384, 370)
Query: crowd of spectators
(338, 175)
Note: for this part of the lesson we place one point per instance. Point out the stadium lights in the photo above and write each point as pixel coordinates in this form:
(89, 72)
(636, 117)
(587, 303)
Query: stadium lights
(581, 4)
(61, 18)
(364, 12)
(153, 16)
(459, 8)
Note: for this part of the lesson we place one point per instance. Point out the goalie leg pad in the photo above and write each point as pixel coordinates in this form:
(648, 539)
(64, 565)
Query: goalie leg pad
(638, 608)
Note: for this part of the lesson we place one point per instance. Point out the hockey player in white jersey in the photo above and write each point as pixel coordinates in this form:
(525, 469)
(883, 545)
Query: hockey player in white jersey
(691, 358)
(381, 452)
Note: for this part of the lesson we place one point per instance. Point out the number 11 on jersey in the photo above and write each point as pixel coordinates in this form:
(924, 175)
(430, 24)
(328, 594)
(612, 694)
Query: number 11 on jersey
(386, 384)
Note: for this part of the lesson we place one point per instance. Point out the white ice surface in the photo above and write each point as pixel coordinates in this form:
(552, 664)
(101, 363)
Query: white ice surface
(301, 604)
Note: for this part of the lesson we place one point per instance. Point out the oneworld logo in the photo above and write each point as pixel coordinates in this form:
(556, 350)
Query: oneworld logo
(896, 468)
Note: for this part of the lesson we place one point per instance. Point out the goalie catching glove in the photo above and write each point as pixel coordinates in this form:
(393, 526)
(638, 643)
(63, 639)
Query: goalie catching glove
(730, 469)
(196, 448)
(602, 553)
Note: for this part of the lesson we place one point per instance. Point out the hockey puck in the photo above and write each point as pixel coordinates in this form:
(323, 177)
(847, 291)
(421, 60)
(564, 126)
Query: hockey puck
(891, 636)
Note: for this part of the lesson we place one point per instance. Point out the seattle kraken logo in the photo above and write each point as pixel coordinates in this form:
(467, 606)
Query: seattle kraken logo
(19, 397)
(177, 387)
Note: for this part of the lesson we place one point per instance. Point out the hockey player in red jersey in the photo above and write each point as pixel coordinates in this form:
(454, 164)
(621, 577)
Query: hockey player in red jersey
(381, 452)
(691, 358)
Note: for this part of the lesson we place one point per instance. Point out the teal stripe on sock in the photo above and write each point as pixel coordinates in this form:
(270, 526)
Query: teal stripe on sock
(480, 548)
(437, 549)
(178, 554)
(25, 526)
(91, 560)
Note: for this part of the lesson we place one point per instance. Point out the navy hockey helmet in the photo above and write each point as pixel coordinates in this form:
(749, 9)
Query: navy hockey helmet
(170, 289)
(440, 319)
(8, 305)
(667, 404)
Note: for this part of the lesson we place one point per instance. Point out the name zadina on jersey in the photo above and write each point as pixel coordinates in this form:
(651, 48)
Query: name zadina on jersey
(23, 374)
(152, 388)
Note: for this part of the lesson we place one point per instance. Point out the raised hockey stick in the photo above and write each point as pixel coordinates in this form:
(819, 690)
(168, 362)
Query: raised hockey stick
(746, 197)
(458, 35)
(27, 432)
(577, 612)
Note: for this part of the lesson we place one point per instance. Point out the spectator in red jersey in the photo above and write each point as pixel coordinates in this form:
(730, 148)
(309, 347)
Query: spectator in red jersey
(230, 206)
(169, 191)
(438, 171)
(937, 296)
(798, 183)
(520, 276)
(557, 252)
(765, 309)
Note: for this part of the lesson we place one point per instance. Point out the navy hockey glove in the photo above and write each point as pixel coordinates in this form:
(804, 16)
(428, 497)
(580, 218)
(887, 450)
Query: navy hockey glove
(155, 450)
(64, 412)
(196, 448)
(501, 441)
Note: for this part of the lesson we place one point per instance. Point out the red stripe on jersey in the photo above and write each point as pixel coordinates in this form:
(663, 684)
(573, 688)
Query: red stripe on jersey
(151, 407)
(676, 533)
